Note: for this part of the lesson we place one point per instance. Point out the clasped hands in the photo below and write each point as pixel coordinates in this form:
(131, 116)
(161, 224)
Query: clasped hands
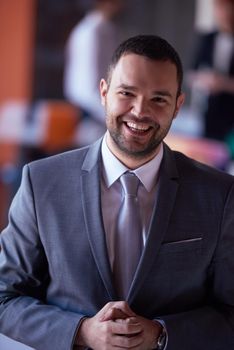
(116, 326)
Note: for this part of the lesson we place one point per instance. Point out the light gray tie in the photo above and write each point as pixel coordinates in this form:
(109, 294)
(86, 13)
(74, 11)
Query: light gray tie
(128, 236)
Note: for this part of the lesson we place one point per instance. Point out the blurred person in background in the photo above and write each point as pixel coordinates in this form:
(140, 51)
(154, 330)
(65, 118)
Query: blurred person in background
(88, 53)
(212, 74)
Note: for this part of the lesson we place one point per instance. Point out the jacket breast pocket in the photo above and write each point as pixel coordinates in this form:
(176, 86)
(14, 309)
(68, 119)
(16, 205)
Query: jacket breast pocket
(182, 245)
(184, 255)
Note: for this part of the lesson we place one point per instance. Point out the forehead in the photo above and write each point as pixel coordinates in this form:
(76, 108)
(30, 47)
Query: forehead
(142, 71)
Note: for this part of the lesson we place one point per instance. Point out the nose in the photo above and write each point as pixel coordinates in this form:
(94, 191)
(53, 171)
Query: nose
(140, 107)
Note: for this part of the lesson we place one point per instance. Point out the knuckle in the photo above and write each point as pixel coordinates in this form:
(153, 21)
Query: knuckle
(123, 304)
(128, 327)
(126, 342)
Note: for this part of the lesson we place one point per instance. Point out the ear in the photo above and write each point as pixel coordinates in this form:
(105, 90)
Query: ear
(103, 91)
(179, 103)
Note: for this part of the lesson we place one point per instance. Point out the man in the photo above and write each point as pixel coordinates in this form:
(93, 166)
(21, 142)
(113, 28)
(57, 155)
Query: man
(88, 52)
(60, 259)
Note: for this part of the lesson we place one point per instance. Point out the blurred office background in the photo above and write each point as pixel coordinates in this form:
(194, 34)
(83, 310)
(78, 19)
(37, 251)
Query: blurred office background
(35, 118)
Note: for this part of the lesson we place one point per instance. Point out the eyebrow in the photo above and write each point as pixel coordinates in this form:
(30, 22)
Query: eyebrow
(164, 93)
(127, 87)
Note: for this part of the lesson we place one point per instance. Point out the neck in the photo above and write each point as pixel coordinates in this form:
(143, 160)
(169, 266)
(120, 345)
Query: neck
(130, 161)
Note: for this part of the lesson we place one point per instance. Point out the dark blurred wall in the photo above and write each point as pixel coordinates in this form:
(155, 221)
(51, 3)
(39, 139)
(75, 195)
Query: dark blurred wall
(55, 19)
(172, 19)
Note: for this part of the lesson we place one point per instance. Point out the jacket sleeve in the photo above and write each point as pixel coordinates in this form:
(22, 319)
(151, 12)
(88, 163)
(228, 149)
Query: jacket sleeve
(25, 316)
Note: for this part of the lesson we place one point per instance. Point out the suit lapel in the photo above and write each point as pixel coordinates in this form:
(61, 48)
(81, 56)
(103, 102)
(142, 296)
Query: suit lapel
(91, 201)
(168, 184)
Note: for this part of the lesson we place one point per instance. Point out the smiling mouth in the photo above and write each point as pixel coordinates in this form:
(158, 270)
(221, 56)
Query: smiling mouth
(138, 127)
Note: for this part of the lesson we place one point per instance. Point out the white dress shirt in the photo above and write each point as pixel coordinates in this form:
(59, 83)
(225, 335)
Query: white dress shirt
(111, 192)
(111, 196)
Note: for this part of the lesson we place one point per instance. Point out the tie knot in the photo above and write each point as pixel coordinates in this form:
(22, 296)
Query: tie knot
(130, 183)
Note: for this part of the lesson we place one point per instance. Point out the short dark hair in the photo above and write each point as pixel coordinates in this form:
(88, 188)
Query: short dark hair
(152, 47)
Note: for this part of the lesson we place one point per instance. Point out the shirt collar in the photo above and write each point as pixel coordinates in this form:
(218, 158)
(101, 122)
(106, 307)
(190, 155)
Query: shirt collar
(113, 168)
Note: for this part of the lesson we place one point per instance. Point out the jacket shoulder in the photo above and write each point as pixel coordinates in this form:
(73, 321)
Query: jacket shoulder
(193, 170)
(59, 161)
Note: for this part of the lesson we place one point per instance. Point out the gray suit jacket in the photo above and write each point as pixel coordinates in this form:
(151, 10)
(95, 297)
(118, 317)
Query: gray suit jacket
(54, 266)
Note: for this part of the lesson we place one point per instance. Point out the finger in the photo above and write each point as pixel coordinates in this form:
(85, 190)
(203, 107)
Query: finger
(113, 314)
(133, 320)
(127, 342)
(119, 305)
(121, 327)
(105, 309)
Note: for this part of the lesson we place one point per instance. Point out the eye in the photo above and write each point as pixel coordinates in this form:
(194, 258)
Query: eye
(159, 100)
(126, 93)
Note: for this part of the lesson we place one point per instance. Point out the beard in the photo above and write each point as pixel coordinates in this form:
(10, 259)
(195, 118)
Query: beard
(134, 147)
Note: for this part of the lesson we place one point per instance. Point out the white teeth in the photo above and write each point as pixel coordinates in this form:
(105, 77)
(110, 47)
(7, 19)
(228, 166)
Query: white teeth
(137, 126)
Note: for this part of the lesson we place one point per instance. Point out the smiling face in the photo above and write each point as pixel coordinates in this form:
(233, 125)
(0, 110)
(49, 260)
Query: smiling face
(140, 102)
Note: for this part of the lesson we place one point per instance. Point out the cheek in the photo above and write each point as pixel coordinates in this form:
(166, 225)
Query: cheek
(163, 115)
(118, 107)
(162, 112)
